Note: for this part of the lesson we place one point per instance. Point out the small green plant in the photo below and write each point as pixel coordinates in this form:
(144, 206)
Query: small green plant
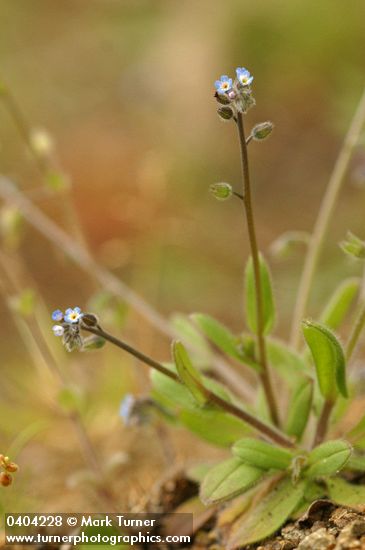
(287, 448)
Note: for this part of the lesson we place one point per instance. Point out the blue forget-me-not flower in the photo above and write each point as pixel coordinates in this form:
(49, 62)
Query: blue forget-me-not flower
(224, 84)
(244, 76)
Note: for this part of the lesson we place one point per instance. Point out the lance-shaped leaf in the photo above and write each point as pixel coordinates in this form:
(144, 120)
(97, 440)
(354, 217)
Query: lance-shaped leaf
(267, 296)
(268, 515)
(328, 357)
(192, 336)
(346, 494)
(227, 480)
(288, 363)
(261, 454)
(328, 459)
(190, 376)
(223, 338)
(299, 409)
(340, 303)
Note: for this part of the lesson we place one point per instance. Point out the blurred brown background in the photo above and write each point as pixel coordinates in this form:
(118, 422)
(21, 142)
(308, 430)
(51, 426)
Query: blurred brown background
(125, 89)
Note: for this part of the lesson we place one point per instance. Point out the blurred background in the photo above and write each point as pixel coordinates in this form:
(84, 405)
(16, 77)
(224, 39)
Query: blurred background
(124, 90)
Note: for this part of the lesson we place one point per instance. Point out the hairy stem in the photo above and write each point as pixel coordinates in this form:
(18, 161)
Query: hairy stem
(247, 201)
(267, 431)
(322, 425)
(326, 210)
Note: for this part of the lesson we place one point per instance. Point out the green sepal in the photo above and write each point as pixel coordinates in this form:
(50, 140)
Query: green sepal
(227, 480)
(328, 458)
(328, 357)
(267, 297)
(261, 454)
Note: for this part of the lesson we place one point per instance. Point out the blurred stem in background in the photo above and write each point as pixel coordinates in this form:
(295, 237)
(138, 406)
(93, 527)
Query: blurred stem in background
(107, 280)
(43, 160)
(321, 226)
(261, 343)
(29, 329)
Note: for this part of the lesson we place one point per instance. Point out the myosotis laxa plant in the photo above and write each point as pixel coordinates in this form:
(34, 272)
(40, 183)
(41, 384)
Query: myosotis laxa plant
(278, 466)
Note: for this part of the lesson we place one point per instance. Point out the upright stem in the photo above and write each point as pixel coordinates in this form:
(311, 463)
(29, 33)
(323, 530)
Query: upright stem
(267, 431)
(247, 201)
(322, 425)
(356, 331)
(324, 217)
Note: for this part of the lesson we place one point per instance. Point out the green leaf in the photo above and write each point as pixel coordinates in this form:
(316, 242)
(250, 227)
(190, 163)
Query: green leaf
(169, 393)
(261, 454)
(328, 459)
(215, 426)
(190, 376)
(299, 409)
(218, 334)
(267, 297)
(191, 335)
(346, 494)
(227, 480)
(356, 463)
(268, 515)
(287, 362)
(223, 339)
(328, 357)
(340, 303)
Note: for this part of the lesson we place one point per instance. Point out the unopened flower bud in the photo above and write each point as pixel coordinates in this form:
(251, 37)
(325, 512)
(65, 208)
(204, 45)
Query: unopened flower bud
(225, 113)
(262, 131)
(89, 320)
(223, 99)
(353, 246)
(221, 191)
(5, 479)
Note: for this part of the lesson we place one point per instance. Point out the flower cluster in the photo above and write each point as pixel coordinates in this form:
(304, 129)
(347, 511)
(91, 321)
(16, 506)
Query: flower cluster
(8, 468)
(235, 96)
(68, 326)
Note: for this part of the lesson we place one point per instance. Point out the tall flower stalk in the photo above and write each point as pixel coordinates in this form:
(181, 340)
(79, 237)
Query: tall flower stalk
(236, 98)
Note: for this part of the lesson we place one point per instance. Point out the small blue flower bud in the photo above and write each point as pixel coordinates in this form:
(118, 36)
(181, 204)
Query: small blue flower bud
(57, 315)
